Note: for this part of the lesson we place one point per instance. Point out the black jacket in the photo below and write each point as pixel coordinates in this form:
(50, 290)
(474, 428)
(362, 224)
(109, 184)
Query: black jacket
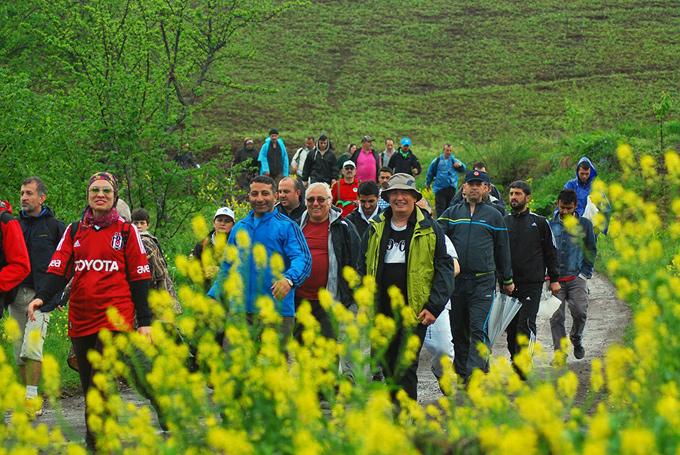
(346, 248)
(295, 215)
(481, 240)
(494, 196)
(248, 156)
(320, 167)
(358, 221)
(532, 247)
(404, 164)
(42, 234)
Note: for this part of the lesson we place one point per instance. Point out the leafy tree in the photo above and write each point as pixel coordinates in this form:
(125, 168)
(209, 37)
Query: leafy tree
(127, 77)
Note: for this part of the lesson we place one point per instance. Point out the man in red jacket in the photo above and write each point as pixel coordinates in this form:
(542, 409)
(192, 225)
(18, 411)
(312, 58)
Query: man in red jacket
(14, 262)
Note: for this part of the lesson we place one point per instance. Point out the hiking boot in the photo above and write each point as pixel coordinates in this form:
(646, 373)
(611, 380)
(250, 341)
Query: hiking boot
(579, 351)
(34, 407)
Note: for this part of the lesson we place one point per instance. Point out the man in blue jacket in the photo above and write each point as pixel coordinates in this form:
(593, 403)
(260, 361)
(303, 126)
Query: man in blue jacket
(576, 253)
(581, 184)
(273, 157)
(443, 171)
(278, 234)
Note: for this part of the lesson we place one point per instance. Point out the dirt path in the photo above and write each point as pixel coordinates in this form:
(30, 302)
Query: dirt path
(607, 321)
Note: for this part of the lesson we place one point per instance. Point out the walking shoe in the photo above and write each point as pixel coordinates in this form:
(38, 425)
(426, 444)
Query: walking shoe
(579, 351)
(34, 407)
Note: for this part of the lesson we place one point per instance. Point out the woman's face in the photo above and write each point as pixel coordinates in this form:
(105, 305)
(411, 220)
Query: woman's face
(100, 196)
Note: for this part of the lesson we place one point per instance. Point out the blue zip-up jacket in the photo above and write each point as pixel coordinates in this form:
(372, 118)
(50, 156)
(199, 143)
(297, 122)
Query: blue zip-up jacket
(264, 162)
(442, 172)
(278, 234)
(582, 189)
(575, 255)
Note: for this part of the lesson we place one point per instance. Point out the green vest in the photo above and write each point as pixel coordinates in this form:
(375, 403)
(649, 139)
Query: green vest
(419, 263)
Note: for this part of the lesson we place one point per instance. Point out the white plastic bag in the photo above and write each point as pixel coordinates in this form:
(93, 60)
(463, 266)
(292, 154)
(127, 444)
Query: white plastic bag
(590, 211)
(549, 303)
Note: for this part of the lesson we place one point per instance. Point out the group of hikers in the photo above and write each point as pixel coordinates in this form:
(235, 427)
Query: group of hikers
(320, 216)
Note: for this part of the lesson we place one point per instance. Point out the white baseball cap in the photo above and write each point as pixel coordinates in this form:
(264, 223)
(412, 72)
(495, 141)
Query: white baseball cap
(225, 211)
(349, 163)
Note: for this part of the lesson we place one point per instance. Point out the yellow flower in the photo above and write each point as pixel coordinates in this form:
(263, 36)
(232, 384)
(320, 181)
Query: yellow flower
(596, 378)
(277, 265)
(260, 255)
(637, 441)
(567, 384)
(12, 331)
(229, 441)
(648, 166)
(625, 155)
(668, 405)
(199, 227)
(242, 239)
(672, 160)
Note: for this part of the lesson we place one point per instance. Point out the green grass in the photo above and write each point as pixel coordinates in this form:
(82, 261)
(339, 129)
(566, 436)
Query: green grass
(440, 71)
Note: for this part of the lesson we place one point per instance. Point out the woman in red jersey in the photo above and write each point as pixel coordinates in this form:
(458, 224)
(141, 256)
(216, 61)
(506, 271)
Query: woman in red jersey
(105, 256)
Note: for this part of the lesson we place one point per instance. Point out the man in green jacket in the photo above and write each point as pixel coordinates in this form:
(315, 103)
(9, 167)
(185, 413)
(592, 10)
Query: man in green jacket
(404, 248)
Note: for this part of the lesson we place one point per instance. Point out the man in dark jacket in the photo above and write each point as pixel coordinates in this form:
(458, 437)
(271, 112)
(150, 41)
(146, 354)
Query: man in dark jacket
(533, 251)
(404, 248)
(493, 196)
(323, 227)
(404, 160)
(42, 233)
(368, 207)
(480, 236)
(290, 194)
(576, 252)
(321, 164)
(251, 167)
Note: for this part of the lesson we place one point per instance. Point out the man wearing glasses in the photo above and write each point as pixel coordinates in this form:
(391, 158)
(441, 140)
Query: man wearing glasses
(334, 244)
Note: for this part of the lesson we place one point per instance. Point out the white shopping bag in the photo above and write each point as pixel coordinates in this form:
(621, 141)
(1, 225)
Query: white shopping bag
(549, 303)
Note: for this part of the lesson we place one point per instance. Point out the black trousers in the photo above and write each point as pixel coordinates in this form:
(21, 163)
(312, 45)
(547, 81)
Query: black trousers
(405, 376)
(470, 307)
(138, 364)
(442, 199)
(524, 322)
(81, 346)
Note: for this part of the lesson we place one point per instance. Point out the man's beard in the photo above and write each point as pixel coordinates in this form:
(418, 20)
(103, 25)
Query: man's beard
(518, 208)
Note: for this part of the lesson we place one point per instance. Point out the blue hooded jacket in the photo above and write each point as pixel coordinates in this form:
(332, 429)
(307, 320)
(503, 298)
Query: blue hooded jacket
(264, 162)
(278, 234)
(443, 173)
(582, 190)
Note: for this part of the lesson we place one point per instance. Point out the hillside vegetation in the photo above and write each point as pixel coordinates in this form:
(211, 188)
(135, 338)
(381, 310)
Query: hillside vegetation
(472, 71)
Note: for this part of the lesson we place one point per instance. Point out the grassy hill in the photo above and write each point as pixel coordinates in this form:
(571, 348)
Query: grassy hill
(464, 71)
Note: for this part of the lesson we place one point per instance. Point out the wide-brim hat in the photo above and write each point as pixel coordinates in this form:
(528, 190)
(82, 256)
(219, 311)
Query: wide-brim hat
(401, 181)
